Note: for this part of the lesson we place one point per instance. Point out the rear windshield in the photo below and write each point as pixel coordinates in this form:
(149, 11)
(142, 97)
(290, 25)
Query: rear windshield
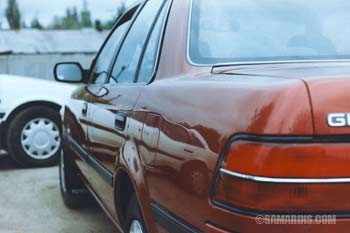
(227, 31)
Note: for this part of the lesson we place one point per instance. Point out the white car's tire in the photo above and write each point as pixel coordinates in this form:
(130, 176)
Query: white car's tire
(34, 137)
(73, 191)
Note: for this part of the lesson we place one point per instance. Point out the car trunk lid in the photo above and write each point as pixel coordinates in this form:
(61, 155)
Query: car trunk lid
(328, 85)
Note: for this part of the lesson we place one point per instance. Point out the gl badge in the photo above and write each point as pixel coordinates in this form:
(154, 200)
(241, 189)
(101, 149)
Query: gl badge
(339, 119)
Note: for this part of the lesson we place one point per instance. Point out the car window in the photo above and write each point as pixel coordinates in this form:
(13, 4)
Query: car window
(151, 53)
(128, 59)
(100, 71)
(229, 31)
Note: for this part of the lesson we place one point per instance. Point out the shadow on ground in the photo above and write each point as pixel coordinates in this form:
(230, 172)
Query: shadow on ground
(7, 163)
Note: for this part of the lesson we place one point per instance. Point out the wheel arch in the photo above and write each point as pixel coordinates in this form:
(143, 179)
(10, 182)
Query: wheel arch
(21, 108)
(123, 181)
(130, 178)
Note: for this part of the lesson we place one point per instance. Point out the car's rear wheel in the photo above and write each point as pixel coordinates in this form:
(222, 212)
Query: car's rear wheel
(74, 194)
(33, 137)
(136, 227)
(135, 222)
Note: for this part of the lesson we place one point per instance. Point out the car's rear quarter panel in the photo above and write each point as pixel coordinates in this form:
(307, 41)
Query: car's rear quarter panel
(216, 107)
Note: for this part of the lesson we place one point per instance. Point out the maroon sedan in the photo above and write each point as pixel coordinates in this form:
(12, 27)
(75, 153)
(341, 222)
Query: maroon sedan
(215, 116)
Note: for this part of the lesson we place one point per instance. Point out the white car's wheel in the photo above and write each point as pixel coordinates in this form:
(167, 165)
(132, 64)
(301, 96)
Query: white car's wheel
(40, 138)
(34, 138)
(136, 227)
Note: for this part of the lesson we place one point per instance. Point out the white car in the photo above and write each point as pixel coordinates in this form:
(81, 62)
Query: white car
(30, 122)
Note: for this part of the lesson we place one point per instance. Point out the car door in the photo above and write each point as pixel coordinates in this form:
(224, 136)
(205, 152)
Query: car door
(112, 107)
(99, 75)
(81, 102)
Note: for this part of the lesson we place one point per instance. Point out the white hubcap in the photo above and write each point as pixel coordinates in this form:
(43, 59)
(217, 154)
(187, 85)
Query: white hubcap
(136, 227)
(40, 138)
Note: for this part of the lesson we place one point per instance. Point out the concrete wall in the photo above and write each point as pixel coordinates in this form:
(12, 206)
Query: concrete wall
(39, 65)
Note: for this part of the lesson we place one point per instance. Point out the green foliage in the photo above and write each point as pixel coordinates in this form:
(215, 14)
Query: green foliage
(121, 10)
(86, 16)
(13, 15)
(72, 20)
(36, 24)
(86, 19)
(98, 25)
(69, 21)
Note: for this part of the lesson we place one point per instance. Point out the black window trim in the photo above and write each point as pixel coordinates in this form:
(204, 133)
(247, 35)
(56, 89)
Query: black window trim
(161, 41)
(116, 54)
(150, 33)
(135, 9)
(165, 2)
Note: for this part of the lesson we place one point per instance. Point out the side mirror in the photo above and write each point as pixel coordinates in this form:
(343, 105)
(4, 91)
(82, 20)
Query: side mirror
(69, 72)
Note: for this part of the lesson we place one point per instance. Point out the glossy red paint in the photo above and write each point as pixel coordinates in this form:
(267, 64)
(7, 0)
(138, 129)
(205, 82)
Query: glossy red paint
(179, 125)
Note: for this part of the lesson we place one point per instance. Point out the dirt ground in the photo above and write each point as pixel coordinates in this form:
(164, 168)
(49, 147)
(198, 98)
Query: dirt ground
(30, 202)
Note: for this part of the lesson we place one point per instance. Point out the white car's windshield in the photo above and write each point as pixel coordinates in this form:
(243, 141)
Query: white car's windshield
(228, 31)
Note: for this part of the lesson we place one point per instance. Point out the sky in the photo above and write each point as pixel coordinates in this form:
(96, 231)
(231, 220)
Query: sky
(45, 10)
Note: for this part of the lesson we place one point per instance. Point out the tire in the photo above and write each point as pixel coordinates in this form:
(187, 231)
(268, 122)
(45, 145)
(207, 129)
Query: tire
(34, 137)
(74, 194)
(134, 218)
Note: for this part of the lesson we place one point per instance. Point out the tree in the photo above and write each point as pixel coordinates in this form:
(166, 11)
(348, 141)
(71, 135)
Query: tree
(13, 15)
(98, 25)
(120, 11)
(36, 24)
(74, 20)
(56, 23)
(86, 16)
(69, 21)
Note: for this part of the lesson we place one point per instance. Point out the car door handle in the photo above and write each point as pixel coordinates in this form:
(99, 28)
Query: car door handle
(85, 109)
(120, 120)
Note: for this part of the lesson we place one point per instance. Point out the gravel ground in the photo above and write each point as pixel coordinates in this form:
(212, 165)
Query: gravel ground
(30, 202)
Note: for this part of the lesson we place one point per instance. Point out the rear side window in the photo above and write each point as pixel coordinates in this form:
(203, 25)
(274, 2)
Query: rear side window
(125, 68)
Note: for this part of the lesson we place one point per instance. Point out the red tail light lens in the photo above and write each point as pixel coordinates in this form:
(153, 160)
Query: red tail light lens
(274, 177)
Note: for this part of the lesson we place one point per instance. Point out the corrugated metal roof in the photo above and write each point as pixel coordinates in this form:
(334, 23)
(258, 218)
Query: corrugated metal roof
(29, 41)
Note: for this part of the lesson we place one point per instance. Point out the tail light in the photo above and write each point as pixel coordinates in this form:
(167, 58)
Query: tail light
(284, 177)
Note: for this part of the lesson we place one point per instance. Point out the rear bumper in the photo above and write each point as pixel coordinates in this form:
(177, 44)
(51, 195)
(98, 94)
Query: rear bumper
(225, 222)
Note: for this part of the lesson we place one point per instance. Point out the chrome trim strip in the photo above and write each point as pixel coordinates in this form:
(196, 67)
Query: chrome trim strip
(285, 180)
(277, 62)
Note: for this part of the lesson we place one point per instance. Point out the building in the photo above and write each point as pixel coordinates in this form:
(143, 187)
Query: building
(34, 53)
